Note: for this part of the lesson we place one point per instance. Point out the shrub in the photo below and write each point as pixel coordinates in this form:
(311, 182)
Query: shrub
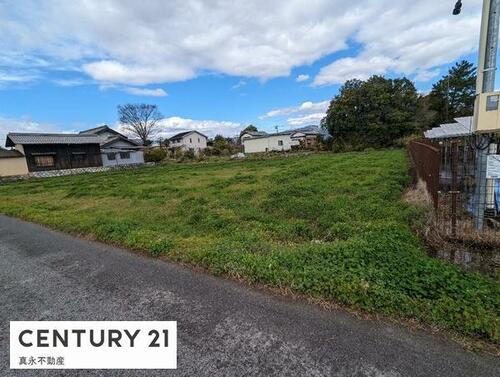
(154, 155)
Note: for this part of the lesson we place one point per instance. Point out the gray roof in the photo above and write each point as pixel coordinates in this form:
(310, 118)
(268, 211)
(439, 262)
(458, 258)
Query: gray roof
(463, 127)
(182, 134)
(5, 153)
(116, 138)
(14, 138)
(98, 130)
(255, 133)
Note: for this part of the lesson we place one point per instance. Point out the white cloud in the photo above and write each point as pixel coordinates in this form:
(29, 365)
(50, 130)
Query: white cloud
(310, 119)
(136, 43)
(158, 92)
(69, 82)
(407, 37)
(426, 75)
(305, 107)
(24, 124)
(301, 78)
(307, 113)
(171, 126)
(239, 84)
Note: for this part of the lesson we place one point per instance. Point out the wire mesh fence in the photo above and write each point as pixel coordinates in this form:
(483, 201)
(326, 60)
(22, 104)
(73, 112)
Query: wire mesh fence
(457, 174)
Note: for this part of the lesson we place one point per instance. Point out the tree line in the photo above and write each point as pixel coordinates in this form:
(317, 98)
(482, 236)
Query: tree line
(381, 112)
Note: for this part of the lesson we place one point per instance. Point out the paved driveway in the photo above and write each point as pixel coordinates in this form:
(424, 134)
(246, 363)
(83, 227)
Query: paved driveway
(224, 328)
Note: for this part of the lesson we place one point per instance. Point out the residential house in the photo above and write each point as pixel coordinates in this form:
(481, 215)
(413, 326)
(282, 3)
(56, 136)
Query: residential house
(12, 162)
(190, 140)
(251, 134)
(282, 141)
(308, 136)
(53, 151)
(116, 148)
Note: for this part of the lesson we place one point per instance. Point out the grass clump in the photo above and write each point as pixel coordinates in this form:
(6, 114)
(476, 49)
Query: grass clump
(332, 226)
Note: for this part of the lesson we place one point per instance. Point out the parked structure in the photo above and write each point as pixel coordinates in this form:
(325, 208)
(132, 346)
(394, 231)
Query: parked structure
(12, 162)
(116, 148)
(190, 140)
(306, 137)
(54, 151)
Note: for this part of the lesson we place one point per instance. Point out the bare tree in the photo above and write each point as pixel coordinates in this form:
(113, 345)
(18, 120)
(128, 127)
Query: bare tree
(140, 120)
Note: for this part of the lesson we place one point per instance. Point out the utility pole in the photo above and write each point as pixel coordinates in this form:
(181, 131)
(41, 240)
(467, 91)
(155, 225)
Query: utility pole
(488, 45)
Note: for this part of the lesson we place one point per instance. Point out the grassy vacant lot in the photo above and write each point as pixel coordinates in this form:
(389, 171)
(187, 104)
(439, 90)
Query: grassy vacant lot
(330, 226)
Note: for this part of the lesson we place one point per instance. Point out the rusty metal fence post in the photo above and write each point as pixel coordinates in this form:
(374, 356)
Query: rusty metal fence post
(426, 158)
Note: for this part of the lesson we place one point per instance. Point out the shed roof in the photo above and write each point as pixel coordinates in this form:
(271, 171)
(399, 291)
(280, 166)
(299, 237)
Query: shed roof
(463, 127)
(14, 138)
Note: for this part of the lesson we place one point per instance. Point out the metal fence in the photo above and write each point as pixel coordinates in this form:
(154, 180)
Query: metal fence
(463, 196)
(425, 157)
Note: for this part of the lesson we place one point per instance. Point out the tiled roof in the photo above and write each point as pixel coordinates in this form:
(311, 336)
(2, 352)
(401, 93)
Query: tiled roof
(36, 138)
(113, 139)
(98, 130)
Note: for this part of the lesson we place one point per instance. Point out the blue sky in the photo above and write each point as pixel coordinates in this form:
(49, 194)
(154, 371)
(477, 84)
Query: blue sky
(214, 66)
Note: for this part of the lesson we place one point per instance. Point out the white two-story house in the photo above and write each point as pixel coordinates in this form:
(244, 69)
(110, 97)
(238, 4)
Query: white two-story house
(190, 140)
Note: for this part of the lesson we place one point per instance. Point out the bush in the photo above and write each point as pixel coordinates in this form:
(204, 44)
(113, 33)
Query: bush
(154, 155)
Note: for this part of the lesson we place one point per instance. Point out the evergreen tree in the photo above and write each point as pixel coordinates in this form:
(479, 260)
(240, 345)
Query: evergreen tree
(453, 95)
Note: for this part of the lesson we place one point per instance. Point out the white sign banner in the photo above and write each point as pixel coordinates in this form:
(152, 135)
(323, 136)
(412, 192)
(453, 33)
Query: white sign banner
(493, 171)
(93, 345)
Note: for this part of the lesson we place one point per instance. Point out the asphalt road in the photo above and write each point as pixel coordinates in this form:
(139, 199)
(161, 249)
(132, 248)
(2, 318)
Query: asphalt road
(224, 328)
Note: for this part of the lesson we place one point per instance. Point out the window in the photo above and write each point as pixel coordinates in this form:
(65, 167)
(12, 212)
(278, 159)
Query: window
(492, 103)
(280, 143)
(45, 161)
(111, 156)
(124, 155)
(190, 140)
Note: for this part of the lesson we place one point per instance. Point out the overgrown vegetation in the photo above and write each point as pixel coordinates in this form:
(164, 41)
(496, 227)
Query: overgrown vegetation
(332, 226)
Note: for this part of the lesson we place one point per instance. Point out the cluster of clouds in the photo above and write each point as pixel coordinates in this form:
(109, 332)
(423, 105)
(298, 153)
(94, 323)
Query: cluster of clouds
(172, 125)
(136, 43)
(23, 124)
(307, 113)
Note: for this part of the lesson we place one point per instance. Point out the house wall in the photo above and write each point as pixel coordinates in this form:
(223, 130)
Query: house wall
(136, 157)
(13, 166)
(268, 144)
(192, 141)
(64, 157)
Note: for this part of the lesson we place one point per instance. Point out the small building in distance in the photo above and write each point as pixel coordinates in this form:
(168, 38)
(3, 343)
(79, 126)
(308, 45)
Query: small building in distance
(116, 148)
(189, 140)
(304, 137)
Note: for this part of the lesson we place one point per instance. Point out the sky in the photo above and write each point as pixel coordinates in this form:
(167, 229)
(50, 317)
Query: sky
(214, 65)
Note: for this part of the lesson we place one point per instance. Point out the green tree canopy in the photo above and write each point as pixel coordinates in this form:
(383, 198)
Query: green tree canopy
(373, 113)
(249, 128)
(453, 96)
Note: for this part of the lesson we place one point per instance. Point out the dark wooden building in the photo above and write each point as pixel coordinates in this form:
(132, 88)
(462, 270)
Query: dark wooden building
(56, 151)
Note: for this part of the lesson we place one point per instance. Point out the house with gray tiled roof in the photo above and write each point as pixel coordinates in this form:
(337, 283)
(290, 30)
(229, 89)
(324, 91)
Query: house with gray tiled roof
(116, 148)
(53, 151)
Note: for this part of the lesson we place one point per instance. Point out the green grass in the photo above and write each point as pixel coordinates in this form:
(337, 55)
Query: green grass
(331, 226)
